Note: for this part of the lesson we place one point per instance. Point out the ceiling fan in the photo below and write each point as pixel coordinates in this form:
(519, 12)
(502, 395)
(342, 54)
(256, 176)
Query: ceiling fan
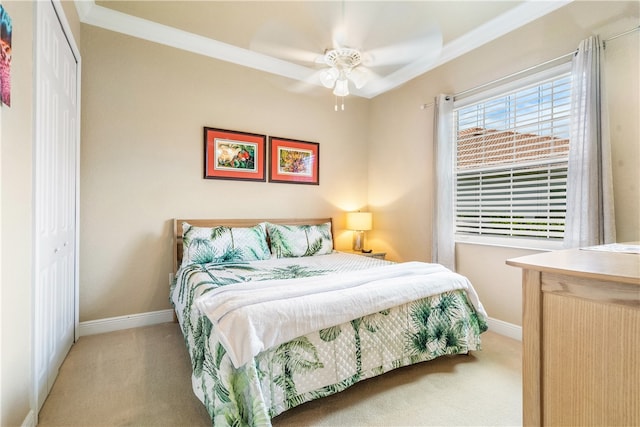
(353, 42)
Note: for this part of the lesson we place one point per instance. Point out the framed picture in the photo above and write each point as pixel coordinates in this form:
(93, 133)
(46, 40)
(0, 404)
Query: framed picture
(6, 30)
(293, 161)
(234, 155)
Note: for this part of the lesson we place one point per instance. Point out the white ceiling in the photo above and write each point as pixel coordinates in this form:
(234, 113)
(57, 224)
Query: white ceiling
(225, 30)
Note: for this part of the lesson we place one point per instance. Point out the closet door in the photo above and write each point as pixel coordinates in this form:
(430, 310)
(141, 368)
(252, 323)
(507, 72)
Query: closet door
(55, 198)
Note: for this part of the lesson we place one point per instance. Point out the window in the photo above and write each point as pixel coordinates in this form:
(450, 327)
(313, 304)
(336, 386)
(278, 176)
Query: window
(511, 162)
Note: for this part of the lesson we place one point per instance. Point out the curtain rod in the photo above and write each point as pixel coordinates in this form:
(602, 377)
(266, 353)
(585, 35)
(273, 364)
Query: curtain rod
(517, 73)
(540, 65)
(624, 33)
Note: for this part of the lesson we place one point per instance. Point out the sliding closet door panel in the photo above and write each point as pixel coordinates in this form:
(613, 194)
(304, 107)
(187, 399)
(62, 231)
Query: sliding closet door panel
(55, 198)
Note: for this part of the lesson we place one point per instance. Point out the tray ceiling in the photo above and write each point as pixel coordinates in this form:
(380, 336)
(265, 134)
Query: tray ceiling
(225, 29)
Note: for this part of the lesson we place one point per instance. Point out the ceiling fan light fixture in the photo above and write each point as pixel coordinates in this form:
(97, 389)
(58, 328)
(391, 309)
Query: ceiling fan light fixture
(342, 64)
(328, 77)
(342, 88)
(358, 77)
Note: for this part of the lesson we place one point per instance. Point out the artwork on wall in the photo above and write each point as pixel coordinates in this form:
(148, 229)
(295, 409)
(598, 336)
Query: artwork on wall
(234, 155)
(5, 56)
(292, 161)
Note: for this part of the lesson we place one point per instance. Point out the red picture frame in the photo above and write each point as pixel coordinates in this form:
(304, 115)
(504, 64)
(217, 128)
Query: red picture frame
(294, 162)
(230, 154)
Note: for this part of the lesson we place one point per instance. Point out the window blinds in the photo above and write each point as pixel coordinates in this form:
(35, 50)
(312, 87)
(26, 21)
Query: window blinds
(511, 162)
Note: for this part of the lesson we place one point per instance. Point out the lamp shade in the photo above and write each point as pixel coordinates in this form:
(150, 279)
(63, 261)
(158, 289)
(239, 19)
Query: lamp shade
(342, 87)
(360, 221)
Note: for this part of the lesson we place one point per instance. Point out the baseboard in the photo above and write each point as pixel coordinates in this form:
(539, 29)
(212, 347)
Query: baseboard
(30, 420)
(503, 328)
(111, 324)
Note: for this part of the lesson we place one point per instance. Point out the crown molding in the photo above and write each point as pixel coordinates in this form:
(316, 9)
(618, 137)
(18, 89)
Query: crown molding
(109, 19)
(509, 21)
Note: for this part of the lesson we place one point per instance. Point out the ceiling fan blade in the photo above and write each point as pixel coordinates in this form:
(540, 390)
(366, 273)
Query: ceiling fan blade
(320, 59)
(308, 85)
(425, 46)
(311, 82)
(277, 40)
(338, 38)
(346, 22)
(406, 33)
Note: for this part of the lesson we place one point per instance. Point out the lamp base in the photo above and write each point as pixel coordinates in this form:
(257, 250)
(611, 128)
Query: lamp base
(358, 241)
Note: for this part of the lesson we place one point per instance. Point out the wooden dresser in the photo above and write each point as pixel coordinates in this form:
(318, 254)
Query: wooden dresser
(581, 338)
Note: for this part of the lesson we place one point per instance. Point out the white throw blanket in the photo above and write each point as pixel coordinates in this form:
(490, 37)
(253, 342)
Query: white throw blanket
(255, 316)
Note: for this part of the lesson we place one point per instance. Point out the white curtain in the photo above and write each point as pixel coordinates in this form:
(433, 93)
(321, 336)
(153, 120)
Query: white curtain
(590, 212)
(443, 250)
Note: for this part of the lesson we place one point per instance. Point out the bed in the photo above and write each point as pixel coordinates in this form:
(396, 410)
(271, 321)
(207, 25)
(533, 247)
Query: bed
(273, 316)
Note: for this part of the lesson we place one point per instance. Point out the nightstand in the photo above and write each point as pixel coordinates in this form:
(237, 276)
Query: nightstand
(378, 255)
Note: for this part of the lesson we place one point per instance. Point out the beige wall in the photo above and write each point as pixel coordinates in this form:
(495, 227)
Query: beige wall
(623, 85)
(144, 108)
(16, 155)
(401, 154)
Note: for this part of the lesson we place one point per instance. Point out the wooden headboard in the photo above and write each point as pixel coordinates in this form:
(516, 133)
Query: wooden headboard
(177, 229)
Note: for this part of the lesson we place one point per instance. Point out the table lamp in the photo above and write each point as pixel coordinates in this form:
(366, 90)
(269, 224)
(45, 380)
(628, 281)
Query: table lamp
(359, 222)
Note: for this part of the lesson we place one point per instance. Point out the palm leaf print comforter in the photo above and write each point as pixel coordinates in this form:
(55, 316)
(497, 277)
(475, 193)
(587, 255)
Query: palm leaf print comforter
(316, 363)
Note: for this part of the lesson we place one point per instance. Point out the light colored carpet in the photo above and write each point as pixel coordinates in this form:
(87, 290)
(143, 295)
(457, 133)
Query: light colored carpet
(141, 377)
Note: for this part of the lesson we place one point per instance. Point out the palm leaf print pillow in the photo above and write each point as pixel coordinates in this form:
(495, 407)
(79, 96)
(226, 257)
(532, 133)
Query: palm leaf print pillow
(300, 240)
(202, 245)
